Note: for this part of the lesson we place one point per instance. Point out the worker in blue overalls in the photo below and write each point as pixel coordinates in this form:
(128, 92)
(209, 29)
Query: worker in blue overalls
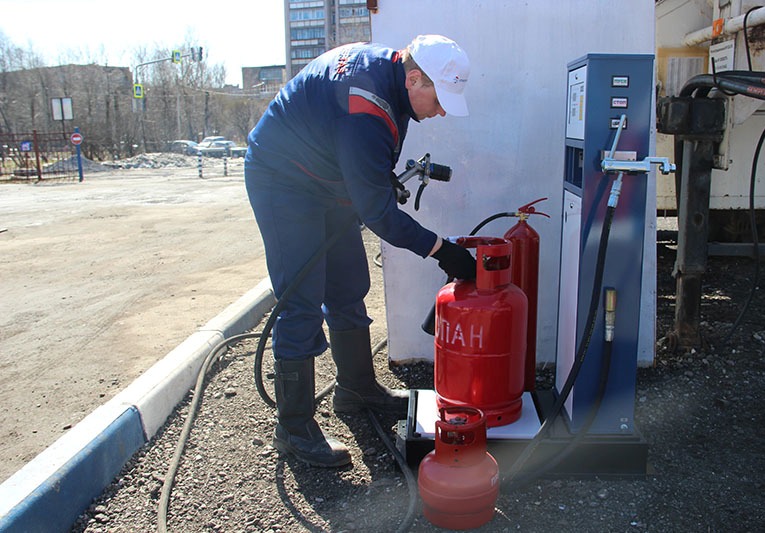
(319, 161)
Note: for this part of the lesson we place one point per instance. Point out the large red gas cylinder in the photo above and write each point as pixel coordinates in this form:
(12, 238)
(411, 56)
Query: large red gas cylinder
(459, 480)
(480, 341)
(524, 251)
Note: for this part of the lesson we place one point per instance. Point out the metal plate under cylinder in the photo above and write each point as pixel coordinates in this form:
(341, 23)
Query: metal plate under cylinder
(524, 428)
(416, 433)
(596, 455)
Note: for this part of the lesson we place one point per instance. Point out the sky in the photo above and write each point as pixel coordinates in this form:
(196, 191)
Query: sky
(235, 33)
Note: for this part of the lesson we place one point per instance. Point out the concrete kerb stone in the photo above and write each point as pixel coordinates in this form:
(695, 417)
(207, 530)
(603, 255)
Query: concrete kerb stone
(52, 490)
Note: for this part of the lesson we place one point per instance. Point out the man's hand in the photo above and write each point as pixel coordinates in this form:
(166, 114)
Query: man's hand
(455, 260)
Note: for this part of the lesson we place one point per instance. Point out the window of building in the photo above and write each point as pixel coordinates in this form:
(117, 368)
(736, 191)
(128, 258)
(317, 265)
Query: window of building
(305, 53)
(267, 74)
(306, 33)
(306, 14)
(354, 12)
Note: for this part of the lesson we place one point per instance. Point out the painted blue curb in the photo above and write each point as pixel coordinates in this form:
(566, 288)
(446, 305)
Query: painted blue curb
(56, 504)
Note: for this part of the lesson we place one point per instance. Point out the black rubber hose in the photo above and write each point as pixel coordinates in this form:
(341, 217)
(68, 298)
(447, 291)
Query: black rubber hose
(746, 37)
(490, 219)
(523, 479)
(755, 240)
(738, 82)
(164, 501)
(744, 75)
(515, 469)
(258, 365)
(737, 85)
(167, 485)
(418, 196)
(411, 482)
(258, 370)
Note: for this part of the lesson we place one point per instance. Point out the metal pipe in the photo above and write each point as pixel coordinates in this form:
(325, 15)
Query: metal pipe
(622, 120)
(732, 25)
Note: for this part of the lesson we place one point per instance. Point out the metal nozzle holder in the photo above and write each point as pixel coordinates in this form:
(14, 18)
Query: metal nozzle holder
(610, 164)
(634, 167)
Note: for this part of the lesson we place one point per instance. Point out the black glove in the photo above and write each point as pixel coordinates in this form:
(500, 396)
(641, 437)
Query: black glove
(455, 260)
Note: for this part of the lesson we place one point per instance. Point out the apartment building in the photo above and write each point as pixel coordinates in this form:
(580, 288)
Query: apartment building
(313, 27)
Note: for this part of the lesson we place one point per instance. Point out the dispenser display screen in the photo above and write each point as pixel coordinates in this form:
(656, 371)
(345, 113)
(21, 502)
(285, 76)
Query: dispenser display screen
(577, 90)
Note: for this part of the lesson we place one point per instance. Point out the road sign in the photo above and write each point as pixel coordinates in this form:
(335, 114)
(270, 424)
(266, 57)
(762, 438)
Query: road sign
(62, 108)
(76, 138)
(137, 90)
(25, 146)
(176, 56)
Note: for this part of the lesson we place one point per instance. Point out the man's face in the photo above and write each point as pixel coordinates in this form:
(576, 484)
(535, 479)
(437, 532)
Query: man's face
(422, 97)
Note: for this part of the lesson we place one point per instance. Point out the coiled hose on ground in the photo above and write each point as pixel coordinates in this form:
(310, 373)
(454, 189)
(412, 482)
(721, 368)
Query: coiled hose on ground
(218, 350)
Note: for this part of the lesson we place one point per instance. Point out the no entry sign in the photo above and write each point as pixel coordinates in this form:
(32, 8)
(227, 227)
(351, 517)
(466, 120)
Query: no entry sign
(76, 138)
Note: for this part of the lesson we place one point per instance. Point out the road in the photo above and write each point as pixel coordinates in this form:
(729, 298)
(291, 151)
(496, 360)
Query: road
(101, 279)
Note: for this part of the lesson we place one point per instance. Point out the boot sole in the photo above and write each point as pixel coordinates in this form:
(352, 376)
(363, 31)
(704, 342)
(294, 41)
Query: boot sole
(347, 401)
(286, 449)
(349, 408)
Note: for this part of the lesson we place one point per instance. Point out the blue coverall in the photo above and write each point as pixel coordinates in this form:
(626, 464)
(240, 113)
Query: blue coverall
(321, 155)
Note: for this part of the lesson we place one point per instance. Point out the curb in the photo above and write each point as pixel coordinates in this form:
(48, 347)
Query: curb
(54, 488)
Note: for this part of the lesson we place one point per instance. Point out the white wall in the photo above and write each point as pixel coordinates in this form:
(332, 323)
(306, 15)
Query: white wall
(509, 151)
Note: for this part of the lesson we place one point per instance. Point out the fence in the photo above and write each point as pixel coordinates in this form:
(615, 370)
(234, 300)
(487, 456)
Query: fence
(38, 156)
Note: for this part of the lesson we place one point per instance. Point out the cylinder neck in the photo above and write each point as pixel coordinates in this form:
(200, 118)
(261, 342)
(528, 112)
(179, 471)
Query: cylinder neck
(460, 436)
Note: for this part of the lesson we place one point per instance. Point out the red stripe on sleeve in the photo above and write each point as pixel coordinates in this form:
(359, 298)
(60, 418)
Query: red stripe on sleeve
(359, 104)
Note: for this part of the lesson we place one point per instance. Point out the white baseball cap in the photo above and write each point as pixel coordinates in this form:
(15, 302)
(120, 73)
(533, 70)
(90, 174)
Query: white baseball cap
(448, 66)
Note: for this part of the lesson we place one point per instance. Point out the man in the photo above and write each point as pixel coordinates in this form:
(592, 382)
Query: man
(320, 159)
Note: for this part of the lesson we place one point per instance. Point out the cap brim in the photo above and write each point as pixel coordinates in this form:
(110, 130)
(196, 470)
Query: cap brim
(453, 104)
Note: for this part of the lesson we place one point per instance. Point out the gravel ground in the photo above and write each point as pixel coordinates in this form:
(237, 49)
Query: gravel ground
(699, 412)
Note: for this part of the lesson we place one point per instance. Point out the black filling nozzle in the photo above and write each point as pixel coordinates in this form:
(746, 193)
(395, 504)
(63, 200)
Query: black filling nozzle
(429, 325)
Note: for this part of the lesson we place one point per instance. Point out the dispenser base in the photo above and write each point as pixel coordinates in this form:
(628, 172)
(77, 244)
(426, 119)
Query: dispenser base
(596, 455)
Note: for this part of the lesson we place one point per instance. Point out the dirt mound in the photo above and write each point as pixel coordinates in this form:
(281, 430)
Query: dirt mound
(154, 160)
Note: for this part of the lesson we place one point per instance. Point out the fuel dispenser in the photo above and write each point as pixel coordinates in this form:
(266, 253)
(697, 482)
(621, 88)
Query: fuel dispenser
(585, 423)
(602, 89)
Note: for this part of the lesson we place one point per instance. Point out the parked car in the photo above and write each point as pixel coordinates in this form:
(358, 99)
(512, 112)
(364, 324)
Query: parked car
(183, 146)
(220, 146)
(207, 141)
(237, 151)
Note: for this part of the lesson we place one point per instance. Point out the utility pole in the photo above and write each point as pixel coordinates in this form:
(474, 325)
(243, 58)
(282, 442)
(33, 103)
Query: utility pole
(139, 102)
(178, 115)
(207, 114)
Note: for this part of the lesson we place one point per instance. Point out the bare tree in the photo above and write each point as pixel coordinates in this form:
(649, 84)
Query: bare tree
(189, 99)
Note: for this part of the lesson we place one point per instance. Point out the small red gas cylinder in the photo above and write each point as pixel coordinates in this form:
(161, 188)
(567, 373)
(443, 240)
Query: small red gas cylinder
(459, 480)
(524, 243)
(480, 341)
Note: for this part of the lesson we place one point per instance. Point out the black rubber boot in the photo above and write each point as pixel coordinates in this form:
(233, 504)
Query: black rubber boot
(356, 386)
(296, 430)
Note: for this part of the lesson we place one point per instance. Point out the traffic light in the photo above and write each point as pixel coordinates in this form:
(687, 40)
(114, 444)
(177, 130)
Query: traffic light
(196, 53)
